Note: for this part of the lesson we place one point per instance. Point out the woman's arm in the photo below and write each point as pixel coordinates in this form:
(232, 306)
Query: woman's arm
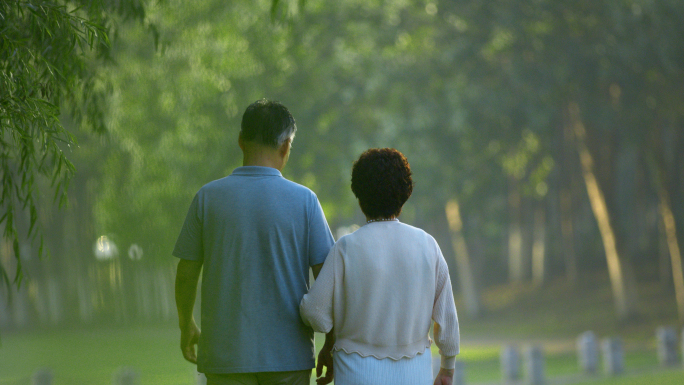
(446, 331)
(316, 308)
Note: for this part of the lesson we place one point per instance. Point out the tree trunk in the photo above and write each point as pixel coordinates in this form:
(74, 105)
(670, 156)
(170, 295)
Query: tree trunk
(673, 246)
(84, 294)
(659, 177)
(516, 271)
(539, 245)
(566, 193)
(663, 257)
(568, 235)
(624, 304)
(465, 273)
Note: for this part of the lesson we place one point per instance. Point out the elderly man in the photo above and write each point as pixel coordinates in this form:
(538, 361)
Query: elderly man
(256, 234)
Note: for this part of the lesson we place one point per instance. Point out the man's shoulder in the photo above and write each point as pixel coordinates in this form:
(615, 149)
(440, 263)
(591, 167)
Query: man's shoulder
(285, 187)
(298, 190)
(296, 186)
(214, 185)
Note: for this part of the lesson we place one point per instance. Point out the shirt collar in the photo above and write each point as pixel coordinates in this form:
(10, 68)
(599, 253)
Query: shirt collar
(256, 171)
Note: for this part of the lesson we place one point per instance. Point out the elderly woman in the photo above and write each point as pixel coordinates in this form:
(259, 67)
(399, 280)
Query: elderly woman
(382, 286)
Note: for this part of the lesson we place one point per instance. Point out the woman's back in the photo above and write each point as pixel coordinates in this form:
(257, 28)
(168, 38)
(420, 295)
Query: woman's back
(387, 289)
(381, 286)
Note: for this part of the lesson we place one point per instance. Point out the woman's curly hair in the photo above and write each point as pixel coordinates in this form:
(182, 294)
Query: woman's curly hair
(381, 181)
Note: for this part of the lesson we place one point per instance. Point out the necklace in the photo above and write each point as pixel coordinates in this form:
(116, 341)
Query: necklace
(382, 220)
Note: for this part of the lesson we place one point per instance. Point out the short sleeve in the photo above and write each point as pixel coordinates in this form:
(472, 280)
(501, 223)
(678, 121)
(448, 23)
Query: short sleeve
(320, 237)
(189, 243)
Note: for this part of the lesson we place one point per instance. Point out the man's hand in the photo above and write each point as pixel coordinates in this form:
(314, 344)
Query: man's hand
(325, 359)
(189, 338)
(444, 377)
(187, 276)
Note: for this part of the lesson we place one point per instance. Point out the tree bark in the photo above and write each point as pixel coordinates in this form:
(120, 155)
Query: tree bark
(663, 257)
(624, 304)
(673, 246)
(568, 235)
(660, 178)
(566, 193)
(539, 245)
(465, 272)
(515, 237)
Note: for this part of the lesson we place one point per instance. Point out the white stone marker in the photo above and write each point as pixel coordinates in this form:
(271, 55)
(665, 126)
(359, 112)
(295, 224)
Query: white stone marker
(587, 352)
(510, 363)
(667, 346)
(683, 344)
(534, 365)
(613, 356)
(125, 376)
(42, 377)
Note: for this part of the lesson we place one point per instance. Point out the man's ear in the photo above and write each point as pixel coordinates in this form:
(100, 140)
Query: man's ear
(285, 147)
(241, 142)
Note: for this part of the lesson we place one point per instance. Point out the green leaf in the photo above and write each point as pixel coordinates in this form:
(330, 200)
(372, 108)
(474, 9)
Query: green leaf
(4, 279)
(41, 249)
(33, 218)
(15, 246)
(274, 9)
(63, 202)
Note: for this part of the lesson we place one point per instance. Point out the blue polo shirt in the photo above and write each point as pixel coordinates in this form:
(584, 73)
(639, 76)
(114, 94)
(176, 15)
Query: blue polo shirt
(257, 234)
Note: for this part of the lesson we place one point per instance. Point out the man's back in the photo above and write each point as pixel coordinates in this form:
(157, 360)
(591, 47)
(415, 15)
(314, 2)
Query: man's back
(257, 235)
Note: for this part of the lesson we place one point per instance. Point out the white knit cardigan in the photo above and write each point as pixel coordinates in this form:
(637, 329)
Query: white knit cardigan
(380, 288)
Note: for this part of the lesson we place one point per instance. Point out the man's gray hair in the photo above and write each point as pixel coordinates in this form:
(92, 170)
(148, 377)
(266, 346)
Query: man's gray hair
(267, 122)
(289, 133)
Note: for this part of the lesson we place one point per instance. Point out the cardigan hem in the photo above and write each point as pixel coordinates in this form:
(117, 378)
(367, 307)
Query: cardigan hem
(394, 352)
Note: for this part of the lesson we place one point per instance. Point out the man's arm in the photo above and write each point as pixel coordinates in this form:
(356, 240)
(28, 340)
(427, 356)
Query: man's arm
(187, 277)
(316, 269)
(325, 355)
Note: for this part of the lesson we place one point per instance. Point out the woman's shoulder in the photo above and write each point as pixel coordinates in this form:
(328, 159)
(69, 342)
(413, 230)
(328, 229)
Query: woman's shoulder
(396, 232)
(416, 233)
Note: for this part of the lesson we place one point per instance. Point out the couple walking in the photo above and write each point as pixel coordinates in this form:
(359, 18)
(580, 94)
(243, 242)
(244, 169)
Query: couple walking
(253, 236)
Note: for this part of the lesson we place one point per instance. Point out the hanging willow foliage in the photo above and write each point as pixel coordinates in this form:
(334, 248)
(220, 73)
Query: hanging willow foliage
(47, 52)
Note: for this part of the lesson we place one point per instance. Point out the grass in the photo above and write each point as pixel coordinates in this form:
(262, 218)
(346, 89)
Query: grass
(91, 356)
(562, 311)
(659, 378)
(552, 317)
(482, 366)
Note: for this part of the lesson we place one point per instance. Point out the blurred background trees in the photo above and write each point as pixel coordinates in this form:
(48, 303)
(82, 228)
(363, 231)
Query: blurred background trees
(51, 56)
(545, 139)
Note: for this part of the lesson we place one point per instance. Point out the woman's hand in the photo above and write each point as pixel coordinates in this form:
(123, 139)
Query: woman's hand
(444, 377)
(325, 359)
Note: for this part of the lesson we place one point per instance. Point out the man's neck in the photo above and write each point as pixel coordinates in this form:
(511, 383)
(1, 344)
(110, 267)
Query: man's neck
(254, 154)
(262, 159)
(260, 164)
